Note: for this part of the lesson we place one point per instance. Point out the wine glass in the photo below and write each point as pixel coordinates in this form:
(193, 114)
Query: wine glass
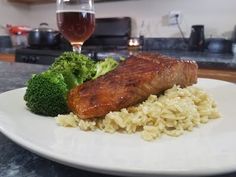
(76, 21)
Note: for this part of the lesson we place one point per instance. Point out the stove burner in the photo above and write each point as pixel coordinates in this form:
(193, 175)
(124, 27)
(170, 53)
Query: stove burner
(47, 57)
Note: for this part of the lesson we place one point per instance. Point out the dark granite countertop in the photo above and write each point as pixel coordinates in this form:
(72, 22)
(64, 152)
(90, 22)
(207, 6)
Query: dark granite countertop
(15, 161)
(204, 59)
(7, 50)
(224, 61)
(179, 48)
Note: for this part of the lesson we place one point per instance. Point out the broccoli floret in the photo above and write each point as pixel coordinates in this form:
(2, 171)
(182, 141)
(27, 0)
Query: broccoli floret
(105, 66)
(46, 94)
(75, 67)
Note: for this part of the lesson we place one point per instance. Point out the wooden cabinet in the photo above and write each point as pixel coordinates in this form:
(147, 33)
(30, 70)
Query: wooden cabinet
(7, 57)
(226, 75)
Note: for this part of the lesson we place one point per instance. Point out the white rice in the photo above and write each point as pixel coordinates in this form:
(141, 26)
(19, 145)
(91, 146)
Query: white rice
(176, 111)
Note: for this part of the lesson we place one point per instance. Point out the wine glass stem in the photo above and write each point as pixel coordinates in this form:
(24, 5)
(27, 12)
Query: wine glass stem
(77, 48)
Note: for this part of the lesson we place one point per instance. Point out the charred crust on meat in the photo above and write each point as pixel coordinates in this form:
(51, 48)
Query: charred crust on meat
(130, 83)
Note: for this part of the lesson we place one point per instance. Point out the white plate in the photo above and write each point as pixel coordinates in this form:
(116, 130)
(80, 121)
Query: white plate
(209, 149)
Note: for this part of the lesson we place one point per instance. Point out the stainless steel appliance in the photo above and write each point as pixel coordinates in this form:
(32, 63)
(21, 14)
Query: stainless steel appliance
(44, 37)
(197, 38)
(47, 57)
(44, 56)
(110, 38)
(37, 56)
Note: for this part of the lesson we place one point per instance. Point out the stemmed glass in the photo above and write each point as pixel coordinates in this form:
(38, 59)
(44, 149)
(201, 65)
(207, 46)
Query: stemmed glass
(76, 21)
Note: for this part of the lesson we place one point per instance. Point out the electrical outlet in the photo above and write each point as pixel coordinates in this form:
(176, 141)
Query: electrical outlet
(174, 16)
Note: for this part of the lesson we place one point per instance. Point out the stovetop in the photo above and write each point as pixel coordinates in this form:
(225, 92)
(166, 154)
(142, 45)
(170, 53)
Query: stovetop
(47, 57)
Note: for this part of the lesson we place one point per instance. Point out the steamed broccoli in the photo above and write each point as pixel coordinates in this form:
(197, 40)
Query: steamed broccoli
(105, 66)
(46, 94)
(75, 67)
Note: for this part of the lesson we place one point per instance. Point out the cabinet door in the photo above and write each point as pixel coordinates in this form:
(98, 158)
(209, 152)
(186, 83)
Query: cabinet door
(227, 75)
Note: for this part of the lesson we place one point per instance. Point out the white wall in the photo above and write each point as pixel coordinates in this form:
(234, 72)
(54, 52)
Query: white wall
(12, 13)
(43, 13)
(218, 16)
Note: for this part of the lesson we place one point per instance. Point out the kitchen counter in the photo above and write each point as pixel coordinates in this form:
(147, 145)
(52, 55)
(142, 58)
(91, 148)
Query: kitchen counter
(15, 161)
(205, 59)
(7, 54)
(7, 57)
(212, 65)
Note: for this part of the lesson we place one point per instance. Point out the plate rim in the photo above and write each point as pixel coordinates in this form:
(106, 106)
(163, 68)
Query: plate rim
(112, 171)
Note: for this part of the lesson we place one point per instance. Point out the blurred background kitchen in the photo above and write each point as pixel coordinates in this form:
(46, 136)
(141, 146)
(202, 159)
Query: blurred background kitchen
(203, 30)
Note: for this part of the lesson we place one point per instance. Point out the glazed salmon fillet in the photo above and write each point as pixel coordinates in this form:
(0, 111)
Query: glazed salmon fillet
(130, 83)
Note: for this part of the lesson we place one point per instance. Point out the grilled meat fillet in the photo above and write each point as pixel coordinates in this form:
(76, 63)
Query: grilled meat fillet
(130, 83)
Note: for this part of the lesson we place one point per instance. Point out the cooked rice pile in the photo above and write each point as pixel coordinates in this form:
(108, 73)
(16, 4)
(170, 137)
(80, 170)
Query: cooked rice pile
(172, 113)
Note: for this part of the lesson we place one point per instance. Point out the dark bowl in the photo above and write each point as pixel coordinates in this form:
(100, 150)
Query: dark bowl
(219, 45)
